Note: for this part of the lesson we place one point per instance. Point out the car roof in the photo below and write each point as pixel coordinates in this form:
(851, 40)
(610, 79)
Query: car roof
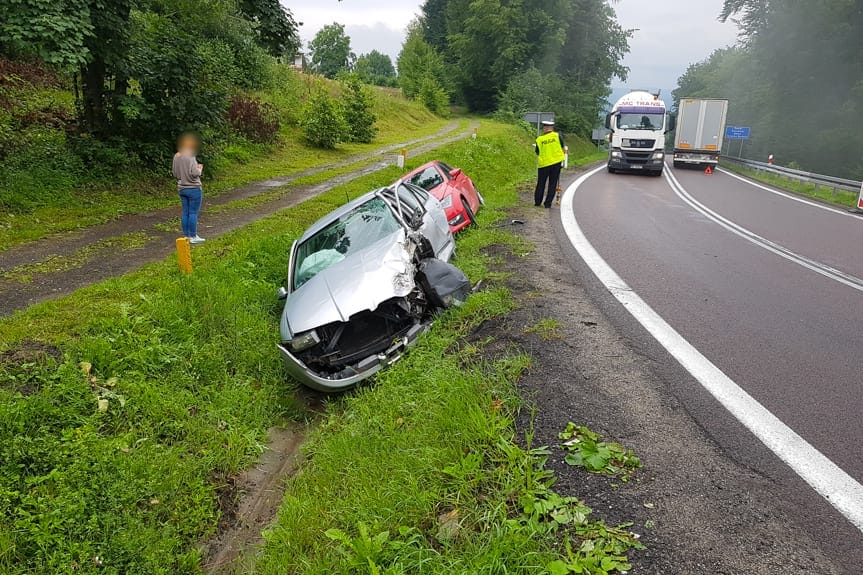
(338, 213)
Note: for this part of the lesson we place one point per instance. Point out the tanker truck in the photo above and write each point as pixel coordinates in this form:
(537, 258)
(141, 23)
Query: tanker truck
(638, 124)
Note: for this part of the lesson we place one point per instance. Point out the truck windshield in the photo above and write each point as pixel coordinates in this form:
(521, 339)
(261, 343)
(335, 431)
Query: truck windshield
(640, 121)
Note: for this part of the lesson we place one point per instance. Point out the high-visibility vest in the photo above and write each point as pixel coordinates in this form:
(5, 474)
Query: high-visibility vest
(550, 150)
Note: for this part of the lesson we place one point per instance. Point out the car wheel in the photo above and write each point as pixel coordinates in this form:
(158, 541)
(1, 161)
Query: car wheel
(470, 215)
(678, 165)
(611, 170)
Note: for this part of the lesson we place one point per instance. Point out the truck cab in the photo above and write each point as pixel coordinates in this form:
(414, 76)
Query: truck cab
(638, 124)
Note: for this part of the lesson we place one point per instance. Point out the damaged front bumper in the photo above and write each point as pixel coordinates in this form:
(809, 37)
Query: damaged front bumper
(353, 374)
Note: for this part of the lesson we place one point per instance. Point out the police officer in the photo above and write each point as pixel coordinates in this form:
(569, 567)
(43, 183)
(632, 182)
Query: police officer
(549, 150)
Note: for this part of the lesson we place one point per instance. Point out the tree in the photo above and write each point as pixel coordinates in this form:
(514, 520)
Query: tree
(275, 27)
(418, 61)
(375, 68)
(331, 51)
(323, 123)
(52, 30)
(357, 110)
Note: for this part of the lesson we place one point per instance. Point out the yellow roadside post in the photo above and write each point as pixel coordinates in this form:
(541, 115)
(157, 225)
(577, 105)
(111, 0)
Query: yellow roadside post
(184, 255)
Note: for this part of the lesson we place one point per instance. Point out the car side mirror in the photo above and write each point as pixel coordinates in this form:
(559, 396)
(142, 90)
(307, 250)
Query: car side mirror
(282, 293)
(455, 173)
(608, 121)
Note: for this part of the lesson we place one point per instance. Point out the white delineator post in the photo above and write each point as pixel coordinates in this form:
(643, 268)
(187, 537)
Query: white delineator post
(401, 159)
(860, 199)
(566, 157)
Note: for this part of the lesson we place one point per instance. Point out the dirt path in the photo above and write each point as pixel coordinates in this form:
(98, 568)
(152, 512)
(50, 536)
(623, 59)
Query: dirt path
(697, 510)
(55, 266)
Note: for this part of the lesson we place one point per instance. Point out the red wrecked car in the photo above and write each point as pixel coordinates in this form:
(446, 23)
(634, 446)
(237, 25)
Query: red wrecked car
(457, 193)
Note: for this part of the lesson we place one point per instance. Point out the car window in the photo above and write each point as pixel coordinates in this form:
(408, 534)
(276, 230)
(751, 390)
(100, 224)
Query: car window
(351, 233)
(409, 200)
(421, 194)
(428, 179)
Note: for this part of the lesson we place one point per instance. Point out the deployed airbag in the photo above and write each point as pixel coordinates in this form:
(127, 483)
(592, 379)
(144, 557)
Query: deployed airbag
(444, 284)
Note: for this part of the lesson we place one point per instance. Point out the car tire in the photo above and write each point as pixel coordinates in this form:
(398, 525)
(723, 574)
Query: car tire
(611, 170)
(678, 165)
(471, 217)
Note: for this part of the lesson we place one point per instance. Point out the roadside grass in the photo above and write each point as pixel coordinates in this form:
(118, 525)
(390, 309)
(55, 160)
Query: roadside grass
(842, 198)
(71, 206)
(422, 472)
(162, 387)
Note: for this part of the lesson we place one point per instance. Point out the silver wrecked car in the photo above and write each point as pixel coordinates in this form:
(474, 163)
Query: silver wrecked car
(363, 283)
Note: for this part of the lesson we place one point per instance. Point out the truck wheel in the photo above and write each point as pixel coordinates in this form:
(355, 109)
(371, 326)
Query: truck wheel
(656, 174)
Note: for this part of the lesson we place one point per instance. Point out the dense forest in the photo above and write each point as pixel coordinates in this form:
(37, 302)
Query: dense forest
(548, 55)
(795, 77)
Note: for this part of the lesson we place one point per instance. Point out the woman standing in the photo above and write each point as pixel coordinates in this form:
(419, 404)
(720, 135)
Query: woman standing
(188, 171)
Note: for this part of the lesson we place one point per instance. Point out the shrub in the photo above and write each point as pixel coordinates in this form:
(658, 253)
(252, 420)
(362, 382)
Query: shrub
(285, 91)
(434, 97)
(323, 122)
(253, 120)
(357, 109)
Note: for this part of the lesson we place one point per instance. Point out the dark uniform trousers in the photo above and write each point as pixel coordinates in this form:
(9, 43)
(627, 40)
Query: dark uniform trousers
(548, 175)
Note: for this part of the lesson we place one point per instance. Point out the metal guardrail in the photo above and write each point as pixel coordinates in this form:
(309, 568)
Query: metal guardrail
(804, 177)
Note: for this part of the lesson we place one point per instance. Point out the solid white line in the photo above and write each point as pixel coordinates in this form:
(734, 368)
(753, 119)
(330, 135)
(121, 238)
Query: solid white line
(789, 196)
(824, 476)
(750, 236)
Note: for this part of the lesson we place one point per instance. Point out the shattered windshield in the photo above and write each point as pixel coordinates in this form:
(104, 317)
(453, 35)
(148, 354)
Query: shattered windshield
(428, 179)
(351, 233)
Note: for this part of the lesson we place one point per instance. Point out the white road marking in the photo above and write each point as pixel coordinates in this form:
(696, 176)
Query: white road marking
(820, 206)
(750, 236)
(824, 476)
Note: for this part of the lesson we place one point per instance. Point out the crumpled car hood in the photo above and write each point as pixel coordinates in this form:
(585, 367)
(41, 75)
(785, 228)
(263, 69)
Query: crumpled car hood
(358, 283)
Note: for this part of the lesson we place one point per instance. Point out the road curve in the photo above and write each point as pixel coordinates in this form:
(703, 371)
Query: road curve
(789, 336)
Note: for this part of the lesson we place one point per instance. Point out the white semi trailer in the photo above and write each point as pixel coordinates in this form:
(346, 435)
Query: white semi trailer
(700, 131)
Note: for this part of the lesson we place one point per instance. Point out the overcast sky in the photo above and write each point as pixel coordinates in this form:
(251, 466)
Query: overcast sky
(671, 33)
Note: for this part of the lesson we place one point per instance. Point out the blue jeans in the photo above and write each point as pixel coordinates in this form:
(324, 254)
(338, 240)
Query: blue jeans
(191, 198)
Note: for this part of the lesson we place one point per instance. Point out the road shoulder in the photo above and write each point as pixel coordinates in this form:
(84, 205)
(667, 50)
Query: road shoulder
(696, 509)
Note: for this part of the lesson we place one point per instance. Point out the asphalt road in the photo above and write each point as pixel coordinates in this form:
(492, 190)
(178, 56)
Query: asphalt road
(791, 337)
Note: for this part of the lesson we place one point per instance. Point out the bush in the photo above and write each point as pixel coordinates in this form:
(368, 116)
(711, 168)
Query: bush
(357, 109)
(253, 120)
(322, 122)
(434, 97)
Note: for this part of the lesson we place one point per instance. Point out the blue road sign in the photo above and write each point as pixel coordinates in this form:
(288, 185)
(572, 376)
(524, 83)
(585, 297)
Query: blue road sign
(736, 133)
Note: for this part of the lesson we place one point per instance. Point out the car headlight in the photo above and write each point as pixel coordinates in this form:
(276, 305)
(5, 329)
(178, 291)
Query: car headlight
(446, 202)
(658, 155)
(304, 341)
(616, 154)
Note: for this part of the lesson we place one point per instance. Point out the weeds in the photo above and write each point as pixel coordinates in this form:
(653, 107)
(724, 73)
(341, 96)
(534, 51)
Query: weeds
(585, 449)
(547, 329)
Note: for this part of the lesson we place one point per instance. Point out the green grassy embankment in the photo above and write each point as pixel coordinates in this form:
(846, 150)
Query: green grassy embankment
(841, 197)
(125, 406)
